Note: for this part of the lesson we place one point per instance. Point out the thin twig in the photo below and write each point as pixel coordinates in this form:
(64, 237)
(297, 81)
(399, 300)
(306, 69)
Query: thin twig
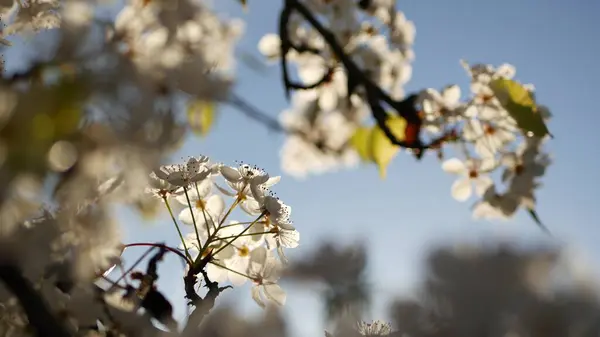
(272, 123)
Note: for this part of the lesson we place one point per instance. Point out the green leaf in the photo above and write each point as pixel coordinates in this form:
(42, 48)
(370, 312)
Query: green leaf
(360, 141)
(201, 116)
(382, 149)
(519, 103)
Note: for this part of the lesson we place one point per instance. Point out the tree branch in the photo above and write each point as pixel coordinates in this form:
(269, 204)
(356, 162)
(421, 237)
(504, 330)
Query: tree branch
(203, 305)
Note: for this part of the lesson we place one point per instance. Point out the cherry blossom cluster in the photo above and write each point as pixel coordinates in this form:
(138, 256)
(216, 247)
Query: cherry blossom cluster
(379, 39)
(234, 251)
(489, 140)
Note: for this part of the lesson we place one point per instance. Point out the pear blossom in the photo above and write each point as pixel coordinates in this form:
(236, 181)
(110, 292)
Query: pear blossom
(182, 175)
(485, 105)
(242, 179)
(494, 206)
(402, 31)
(276, 212)
(489, 137)
(440, 108)
(526, 162)
(204, 205)
(471, 172)
(240, 256)
(264, 269)
(277, 237)
(160, 188)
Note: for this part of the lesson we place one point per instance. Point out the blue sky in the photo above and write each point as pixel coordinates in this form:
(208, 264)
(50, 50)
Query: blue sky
(550, 43)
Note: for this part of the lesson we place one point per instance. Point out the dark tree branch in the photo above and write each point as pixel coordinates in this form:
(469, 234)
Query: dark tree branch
(285, 46)
(326, 78)
(203, 305)
(41, 319)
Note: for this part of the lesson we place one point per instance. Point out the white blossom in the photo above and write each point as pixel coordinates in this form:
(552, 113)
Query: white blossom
(471, 172)
(265, 270)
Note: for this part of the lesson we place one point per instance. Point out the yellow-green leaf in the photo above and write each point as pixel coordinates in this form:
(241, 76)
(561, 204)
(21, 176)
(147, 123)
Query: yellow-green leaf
(360, 141)
(519, 103)
(201, 116)
(382, 149)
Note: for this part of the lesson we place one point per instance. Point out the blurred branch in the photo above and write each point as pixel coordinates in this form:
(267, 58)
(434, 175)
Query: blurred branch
(38, 314)
(272, 123)
(254, 113)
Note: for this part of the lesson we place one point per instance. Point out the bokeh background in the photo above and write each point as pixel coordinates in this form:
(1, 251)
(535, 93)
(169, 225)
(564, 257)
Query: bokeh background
(553, 44)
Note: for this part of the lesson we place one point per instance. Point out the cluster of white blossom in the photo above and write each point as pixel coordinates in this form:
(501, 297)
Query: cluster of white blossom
(375, 328)
(168, 42)
(237, 251)
(29, 16)
(379, 38)
(489, 139)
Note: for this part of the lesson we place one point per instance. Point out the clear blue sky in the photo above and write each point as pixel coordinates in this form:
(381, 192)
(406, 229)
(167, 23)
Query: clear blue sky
(550, 43)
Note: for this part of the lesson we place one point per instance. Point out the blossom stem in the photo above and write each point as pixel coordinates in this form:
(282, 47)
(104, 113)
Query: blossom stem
(203, 212)
(247, 234)
(125, 273)
(187, 253)
(159, 245)
(187, 197)
(231, 208)
(212, 236)
(113, 284)
(231, 270)
(244, 223)
(241, 233)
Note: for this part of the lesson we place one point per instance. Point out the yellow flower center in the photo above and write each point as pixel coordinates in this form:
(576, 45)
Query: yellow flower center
(200, 204)
(244, 251)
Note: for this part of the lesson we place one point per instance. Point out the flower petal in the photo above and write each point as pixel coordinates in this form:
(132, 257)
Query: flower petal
(204, 189)
(272, 181)
(482, 183)
(216, 273)
(225, 191)
(230, 174)
(258, 258)
(454, 166)
(275, 293)
(328, 99)
(256, 296)
(215, 206)
(185, 216)
(240, 265)
(461, 189)
(251, 206)
(269, 45)
(451, 95)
